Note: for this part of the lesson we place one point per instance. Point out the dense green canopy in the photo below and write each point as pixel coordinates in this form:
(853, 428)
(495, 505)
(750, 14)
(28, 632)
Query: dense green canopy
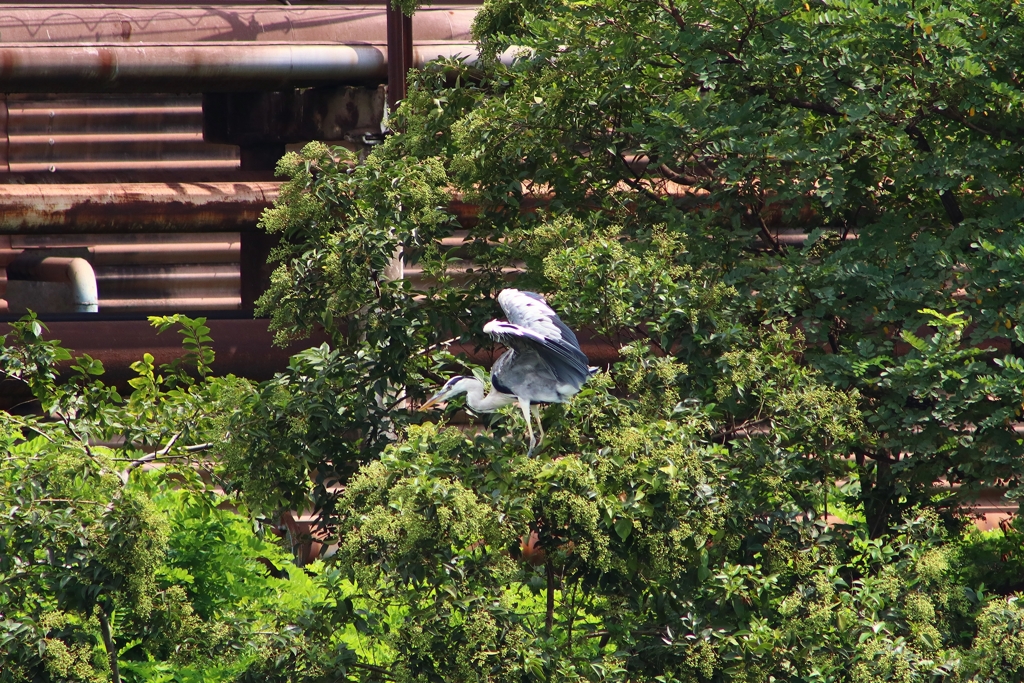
(801, 226)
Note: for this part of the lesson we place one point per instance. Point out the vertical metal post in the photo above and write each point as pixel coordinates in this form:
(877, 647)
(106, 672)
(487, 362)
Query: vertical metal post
(399, 54)
(406, 50)
(254, 270)
(399, 62)
(255, 246)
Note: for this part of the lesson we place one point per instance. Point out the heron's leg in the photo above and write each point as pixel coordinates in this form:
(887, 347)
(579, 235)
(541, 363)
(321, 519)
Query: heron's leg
(535, 408)
(525, 407)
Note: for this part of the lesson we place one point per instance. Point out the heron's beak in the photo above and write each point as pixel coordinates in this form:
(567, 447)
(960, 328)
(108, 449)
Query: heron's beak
(436, 398)
(429, 404)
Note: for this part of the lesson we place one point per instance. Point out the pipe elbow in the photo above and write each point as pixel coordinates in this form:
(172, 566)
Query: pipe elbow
(80, 292)
(84, 290)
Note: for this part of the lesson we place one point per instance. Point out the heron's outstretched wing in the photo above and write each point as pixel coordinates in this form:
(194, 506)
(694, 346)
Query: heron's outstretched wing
(566, 361)
(529, 310)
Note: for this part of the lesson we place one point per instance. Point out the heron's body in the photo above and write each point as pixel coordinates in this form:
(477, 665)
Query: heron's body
(523, 373)
(543, 363)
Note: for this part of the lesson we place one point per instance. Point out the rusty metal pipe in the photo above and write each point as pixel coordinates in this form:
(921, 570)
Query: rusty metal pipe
(184, 165)
(172, 304)
(106, 255)
(133, 207)
(201, 67)
(400, 42)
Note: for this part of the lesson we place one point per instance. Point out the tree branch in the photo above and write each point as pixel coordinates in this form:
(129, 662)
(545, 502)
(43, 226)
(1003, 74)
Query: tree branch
(767, 235)
(722, 437)
(820, 107)
(150, 457)
(957, 117)
(674, 11)
(676, 177)
(375, 669)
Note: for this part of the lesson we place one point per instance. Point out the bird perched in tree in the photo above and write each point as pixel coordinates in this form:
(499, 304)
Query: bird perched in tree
(543, 363)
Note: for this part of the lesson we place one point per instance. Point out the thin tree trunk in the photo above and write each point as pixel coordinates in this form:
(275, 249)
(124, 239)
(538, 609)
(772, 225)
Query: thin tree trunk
(395, 270)
(877, 508)
(572, 616)
(549, 620)
(108, 643)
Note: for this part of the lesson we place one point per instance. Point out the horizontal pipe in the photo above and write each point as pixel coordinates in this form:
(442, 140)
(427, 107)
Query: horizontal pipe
(63, 152)
(106, 255)
(172, 304)
(63, 117)
(133, 207)
(142, 282)
(40, 152)
(154, 207)
(128, 254)
(118, 166)
(168, 271)
(108, 138)
(201, 67)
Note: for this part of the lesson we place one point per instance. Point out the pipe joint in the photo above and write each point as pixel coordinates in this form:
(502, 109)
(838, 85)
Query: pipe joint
(75, 273)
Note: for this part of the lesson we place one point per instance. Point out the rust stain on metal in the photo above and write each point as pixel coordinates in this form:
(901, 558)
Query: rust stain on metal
(158, 207)
(142, 207)
(197, 49)
(107, 64)
(8, 62)
(204, 67)
(5, 142)
(168, 216)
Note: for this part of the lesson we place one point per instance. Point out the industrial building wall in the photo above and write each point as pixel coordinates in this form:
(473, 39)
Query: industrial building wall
(68, 145)
(94, 139)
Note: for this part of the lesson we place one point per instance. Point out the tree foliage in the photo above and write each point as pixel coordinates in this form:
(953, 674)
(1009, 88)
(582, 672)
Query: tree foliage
(798, 224)
(641, 163)
(109, 570)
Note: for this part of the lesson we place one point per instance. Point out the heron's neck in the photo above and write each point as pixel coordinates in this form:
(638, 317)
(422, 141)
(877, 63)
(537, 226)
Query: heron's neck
(476, 400)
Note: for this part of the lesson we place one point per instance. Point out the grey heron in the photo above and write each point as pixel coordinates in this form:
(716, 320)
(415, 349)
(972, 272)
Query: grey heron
(543, 363)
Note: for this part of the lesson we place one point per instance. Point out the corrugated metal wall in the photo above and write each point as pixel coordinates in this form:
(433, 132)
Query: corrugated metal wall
(134, 138)
(108, 133)
(51, 138)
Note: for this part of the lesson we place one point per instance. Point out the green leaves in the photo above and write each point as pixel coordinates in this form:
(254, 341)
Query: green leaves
(196, 344)
(24, 355)
(652, 168)
(624, 527)
(81, 543)
(747, 490)
(649, 167)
